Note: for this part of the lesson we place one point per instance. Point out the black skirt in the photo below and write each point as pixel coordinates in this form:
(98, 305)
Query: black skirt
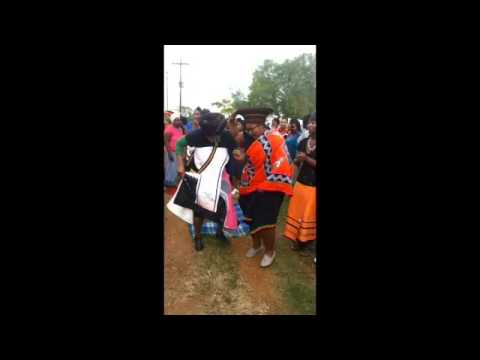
(261, 209)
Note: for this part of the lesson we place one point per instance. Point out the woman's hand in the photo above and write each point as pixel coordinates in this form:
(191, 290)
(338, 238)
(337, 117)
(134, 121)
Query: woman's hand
(238, 155)
(236, 194)
(301, 157)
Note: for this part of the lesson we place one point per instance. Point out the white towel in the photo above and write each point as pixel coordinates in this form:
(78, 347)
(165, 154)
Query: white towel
(208, 185)
(210, 181)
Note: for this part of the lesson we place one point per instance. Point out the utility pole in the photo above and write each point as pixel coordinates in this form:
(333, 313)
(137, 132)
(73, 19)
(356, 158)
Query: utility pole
(167, 91)
(180, 83)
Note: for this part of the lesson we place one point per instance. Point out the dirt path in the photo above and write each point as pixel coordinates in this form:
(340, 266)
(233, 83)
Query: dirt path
(260, 283)
(217, 280)
(180, 267)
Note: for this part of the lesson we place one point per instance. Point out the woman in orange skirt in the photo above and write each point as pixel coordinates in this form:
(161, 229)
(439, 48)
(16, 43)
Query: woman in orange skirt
(301, 222)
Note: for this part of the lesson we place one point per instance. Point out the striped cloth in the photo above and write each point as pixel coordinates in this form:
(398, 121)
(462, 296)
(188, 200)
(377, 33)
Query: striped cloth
(210, 228)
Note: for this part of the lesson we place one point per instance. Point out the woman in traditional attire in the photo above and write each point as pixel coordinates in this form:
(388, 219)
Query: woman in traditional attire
(301, 222)
(206, 190)
(266, 178)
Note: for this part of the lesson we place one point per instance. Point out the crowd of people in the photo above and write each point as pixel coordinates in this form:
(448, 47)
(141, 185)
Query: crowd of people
(215, 164)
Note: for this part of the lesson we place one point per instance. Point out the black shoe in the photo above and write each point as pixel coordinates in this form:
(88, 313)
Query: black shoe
(220, 235)
(198, 244)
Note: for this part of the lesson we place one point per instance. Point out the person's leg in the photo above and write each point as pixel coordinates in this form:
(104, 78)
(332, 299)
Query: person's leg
(165, 166)
(197, 224)
(268, 237)
(271, 203)
(257, 245)
(256, 236)
(174, 169)
(257, 240)
(246, 204)
(171, 171)
(220, 235)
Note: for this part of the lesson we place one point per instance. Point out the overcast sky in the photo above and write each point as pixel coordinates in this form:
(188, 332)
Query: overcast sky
(216, 71)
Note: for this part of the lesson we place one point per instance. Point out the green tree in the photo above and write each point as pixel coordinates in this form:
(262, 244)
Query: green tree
(264, 90)
(239, 100)
(187, 111)
(225, 106)
(289, 88)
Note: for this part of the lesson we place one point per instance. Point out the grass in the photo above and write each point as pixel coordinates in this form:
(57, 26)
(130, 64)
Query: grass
(220, 271)
(221, 268)
(295, 272)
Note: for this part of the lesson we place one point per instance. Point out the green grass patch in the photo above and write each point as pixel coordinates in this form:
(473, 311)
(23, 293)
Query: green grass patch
(220, 260)
(296, 273)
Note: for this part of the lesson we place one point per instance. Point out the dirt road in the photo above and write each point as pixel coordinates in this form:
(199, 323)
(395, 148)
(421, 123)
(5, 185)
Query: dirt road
(221, 280)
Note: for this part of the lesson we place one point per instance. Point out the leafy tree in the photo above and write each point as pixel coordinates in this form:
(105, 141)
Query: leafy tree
(288, 88)
(225, 106)
(239, 100)
(187, 111)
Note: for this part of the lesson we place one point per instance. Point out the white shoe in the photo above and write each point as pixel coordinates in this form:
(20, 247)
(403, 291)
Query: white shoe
(254, 252)
(267, 260)
(315, 260)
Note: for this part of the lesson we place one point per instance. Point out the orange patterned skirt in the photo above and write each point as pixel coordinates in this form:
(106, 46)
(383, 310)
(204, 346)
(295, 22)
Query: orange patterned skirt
(301, 222)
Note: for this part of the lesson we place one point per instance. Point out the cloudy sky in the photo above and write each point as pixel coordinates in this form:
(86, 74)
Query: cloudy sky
(215, 71)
